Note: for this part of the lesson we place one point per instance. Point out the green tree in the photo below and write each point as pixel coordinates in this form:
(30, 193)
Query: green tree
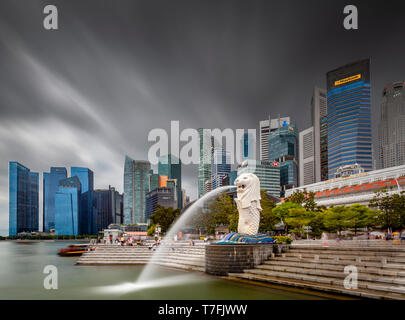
(359, 216)
(337, 219)
(164, 217)
(392, 209)
(267, 217)
(304, 198)
(282, 212)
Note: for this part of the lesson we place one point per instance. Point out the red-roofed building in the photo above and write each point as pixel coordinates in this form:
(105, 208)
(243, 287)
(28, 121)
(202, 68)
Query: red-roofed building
(355, 189)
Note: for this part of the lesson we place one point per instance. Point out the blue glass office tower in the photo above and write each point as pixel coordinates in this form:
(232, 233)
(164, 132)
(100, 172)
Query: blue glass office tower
(283, 149)
(349, 117)
(68, 213)
(86, 178)
(23, 199)
(248, 146)
(170, 166)
(220, 167)
(136, 186)
(50, 187)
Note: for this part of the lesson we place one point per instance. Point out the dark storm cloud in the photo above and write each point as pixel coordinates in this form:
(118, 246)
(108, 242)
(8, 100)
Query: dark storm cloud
(90, 92)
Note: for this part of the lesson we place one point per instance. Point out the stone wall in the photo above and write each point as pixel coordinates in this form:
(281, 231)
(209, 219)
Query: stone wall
(221, 259)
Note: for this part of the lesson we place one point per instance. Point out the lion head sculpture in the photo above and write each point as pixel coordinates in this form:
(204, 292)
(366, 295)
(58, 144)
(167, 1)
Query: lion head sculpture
(248, 190)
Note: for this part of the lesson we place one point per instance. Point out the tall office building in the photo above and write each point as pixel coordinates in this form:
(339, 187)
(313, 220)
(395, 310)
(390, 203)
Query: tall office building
(312, 148)
(307, 157)
(86, 178)
(107, 207)
(319, 112)
(391, 134)
(170, 166)
(117, 204)
(204, 164)
(220, 167)
(136, 186)
(349, 117)
(164, 197)
(69, 208)
(23, 199)
(248, 146)
(324, 148)
(284, 150)
(50, 187)
(267, 126)
(153, 180)
(268, 173)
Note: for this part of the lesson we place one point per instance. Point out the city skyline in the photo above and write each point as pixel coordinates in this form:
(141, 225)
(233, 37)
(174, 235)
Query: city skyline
(87, 94)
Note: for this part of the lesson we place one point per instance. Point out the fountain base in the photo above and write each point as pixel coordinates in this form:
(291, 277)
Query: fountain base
(236, 237)
(221, 259)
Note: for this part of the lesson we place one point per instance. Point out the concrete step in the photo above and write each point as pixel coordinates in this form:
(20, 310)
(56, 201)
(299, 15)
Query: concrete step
(363, 276)
(363, 293)
(358, 257)
(334, 281)
(349, 253)
(377, 270)
(340, 262)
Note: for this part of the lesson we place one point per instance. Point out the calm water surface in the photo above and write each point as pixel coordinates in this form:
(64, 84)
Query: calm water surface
(21, 277)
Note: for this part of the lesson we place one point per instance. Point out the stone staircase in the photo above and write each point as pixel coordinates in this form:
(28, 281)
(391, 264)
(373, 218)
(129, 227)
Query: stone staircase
(381, 270)
(179, 255)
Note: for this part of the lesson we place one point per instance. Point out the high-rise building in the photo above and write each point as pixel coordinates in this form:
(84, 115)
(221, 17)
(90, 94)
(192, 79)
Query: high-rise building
(117, 204)
(220, 166)
(108, 207)
(153, 180)
(136, 186)
(248, 145)
(324, 148)
(312, 142)
(307, 157)
(283, 149)
(391, 134)
(267, 126)
(349, 117)
(86, 178)
(164, 197)
(69, 208)
(50, 187)
(204, 164)
(268, 173)
(23, 199)
(170, 166)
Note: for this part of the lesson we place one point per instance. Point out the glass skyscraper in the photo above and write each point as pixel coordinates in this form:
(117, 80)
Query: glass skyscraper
(220, 167)
(248, 146)
(50, 187)
(349, 117)
(68, 209)
(170, 166)
(283, 149)
(136, 186)
(391, 133)
(23, 199)
(207, 143)
(86, 178)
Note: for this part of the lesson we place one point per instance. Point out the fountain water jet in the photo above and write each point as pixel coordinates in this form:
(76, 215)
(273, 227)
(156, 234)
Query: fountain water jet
(148, 272)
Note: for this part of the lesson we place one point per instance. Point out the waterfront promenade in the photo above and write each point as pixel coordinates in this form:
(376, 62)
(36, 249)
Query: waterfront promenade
(307, 264)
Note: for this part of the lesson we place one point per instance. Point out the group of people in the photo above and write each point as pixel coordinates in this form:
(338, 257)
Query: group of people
(123, 241)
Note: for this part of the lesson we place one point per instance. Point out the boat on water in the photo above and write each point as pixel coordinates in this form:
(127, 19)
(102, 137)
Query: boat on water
(73, 250)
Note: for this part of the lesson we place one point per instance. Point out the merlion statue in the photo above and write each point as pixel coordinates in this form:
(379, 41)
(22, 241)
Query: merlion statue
(248, 203)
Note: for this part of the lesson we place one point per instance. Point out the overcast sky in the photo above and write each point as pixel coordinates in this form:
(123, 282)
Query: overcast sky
(90, 92)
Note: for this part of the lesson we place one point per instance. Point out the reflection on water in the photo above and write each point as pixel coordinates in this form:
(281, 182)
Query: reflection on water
(21, 277)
